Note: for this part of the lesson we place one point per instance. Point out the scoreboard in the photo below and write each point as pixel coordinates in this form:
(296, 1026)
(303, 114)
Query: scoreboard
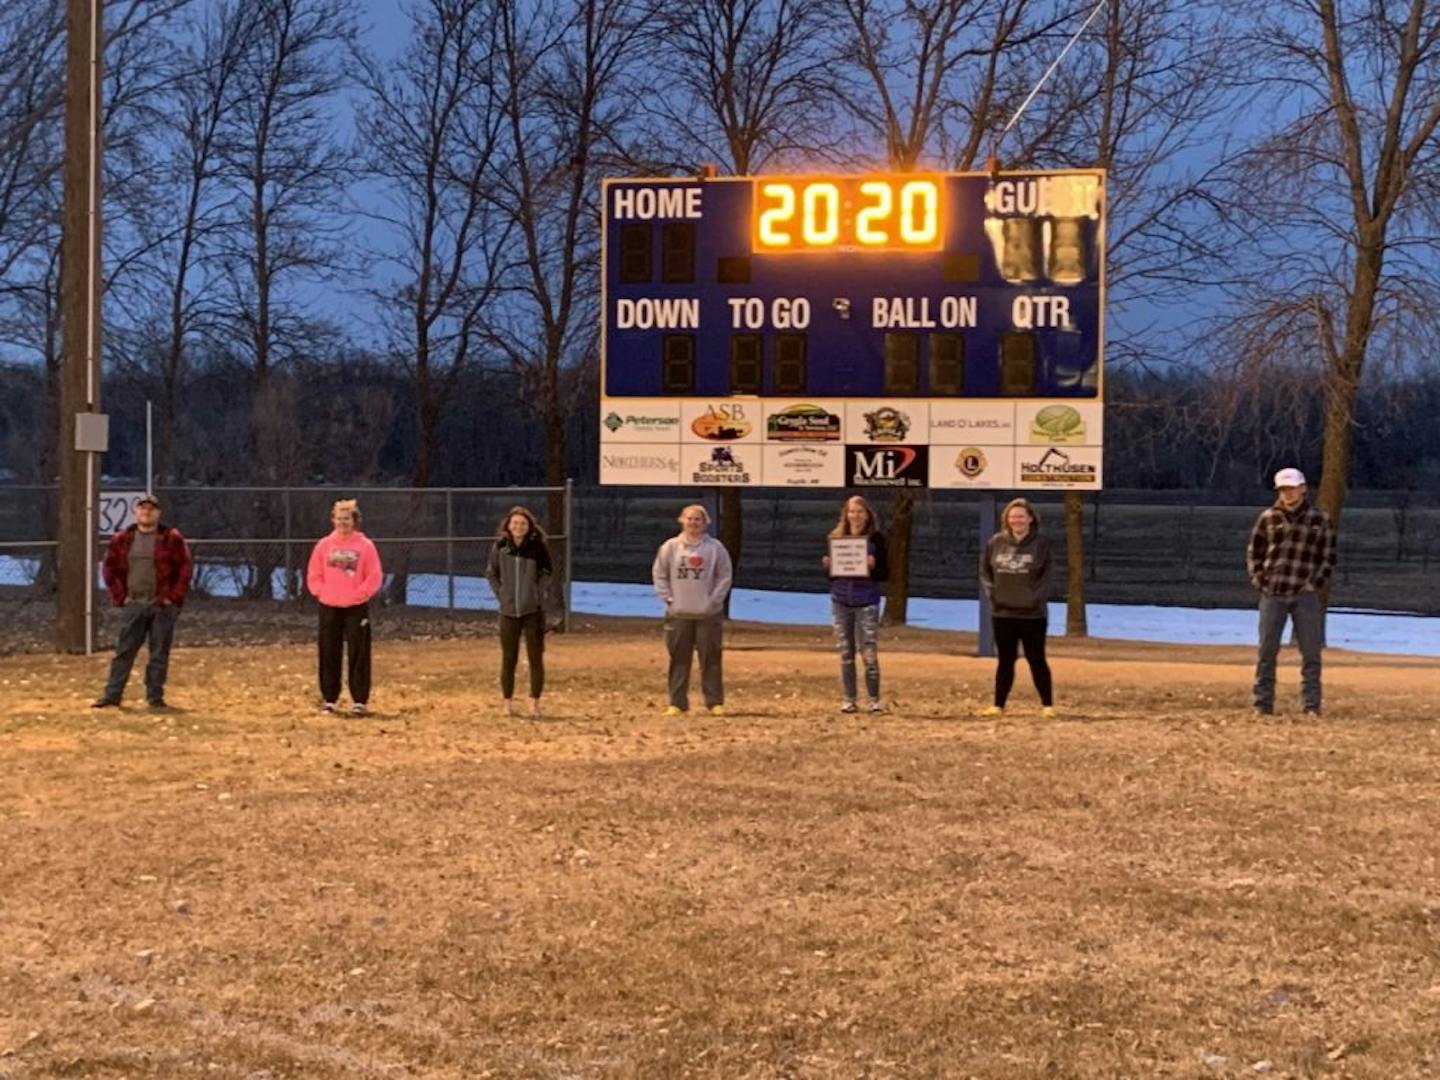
(832, 331)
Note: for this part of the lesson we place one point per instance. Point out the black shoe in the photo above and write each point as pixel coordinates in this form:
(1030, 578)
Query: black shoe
(1262, 711)
(158, 703)
(104, 703)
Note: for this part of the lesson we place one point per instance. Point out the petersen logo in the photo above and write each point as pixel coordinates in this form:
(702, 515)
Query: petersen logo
(722, 423)
(1056, 467)
(1057, 424)
(723, 467)
(886, 425)
(971, 462)
(808, 423)
(614, 421)
(890, 466)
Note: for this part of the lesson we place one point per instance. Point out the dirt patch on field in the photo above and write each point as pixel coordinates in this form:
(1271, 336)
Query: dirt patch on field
(1154, 884)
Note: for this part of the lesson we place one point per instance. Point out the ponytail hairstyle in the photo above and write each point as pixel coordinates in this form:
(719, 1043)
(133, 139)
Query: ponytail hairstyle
(353, 505)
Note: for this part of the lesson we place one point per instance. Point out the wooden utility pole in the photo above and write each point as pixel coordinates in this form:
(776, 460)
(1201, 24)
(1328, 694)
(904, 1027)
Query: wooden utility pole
(80, 289)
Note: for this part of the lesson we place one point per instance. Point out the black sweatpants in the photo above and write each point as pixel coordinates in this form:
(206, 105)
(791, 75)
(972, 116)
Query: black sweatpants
(1010, 634)
(533, 628)
(345, 630)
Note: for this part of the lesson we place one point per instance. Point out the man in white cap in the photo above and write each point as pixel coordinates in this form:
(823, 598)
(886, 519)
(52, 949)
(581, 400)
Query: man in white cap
(147, 570)
(1291, 557)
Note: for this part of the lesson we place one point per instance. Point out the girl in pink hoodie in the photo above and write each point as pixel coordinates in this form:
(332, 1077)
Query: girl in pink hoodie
(344, 574)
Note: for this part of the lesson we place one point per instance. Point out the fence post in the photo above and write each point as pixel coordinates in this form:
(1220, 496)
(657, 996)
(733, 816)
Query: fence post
(289, 574)
(450, 547)
(988, 515)
(569, 545)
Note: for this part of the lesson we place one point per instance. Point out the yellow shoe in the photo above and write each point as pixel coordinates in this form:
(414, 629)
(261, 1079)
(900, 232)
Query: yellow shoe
(717, 710)
(1048, 712)
(992, 710)
(674, 710)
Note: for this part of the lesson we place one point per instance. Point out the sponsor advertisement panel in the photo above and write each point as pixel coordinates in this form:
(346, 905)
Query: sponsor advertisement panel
(721, 420)
(972, 423)
(972, 467)
(802, 421)
(639, 463)
(721, 464)
(804, 465)
(1073, 468)
(881, 422)
(1060, 424)
(640, 420)
(886, 466)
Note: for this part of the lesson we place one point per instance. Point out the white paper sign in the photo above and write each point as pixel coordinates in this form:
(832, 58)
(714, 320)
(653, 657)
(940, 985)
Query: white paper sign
(848, 556)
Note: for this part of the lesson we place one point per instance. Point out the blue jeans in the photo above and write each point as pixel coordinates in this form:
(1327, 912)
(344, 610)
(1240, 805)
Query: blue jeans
(139, 623)
(1303, 609)
(857, 628)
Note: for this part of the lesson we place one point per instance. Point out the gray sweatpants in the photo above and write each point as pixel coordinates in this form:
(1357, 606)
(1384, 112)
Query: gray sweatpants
(682, 638)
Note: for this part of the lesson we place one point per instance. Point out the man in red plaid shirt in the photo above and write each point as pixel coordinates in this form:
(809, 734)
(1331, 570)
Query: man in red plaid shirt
(1291, 557)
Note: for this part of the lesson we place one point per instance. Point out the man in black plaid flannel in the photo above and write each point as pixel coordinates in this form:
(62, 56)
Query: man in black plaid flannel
(1291, 557)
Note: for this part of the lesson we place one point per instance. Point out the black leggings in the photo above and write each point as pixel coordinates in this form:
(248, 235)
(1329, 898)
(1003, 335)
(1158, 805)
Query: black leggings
(1010, 634)
(533, 627)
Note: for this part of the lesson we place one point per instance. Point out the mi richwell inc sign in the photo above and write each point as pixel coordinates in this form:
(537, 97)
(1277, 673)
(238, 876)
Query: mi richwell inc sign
(940, 330)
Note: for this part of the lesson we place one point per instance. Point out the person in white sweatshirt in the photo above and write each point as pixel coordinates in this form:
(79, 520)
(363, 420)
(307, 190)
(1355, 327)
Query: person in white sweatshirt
(692, 575)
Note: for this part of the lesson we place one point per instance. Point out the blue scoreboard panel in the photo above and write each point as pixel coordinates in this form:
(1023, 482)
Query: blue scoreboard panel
(899, 330)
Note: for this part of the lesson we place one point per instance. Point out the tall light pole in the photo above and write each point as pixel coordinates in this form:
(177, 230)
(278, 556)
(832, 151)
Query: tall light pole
(83, 428)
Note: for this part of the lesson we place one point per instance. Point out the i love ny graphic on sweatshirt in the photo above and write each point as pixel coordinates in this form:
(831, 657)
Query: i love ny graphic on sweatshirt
(692, 579)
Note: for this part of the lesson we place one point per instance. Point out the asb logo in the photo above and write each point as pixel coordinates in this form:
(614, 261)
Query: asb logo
(971, 462)
(886, 425)
(890, 466)
(1057, 424)
(807, 423)
(722, 423)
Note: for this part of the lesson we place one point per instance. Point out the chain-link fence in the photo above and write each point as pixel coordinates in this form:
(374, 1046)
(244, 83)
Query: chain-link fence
(1177, 548)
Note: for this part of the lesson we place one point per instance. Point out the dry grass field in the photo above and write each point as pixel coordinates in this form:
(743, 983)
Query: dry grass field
(1153, 884)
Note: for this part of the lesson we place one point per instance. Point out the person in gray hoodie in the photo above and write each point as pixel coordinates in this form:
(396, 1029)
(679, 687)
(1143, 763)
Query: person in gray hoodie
(1015, 575)
(692, 575)
(518, 572)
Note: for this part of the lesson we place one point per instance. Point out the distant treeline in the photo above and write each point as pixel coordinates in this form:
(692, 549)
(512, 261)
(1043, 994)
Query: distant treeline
(347, 422)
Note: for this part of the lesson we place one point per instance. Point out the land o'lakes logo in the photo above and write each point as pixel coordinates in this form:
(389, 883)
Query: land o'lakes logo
(970, 462)
(887, 424)
(723, 466)
(722, 423)
(614, 421)
(803, 423)
(1057, 424)
(1057, 467)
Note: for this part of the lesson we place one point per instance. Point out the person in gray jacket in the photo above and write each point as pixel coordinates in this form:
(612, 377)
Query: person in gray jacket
(692, 575)
(1015, 575)
(518, 572)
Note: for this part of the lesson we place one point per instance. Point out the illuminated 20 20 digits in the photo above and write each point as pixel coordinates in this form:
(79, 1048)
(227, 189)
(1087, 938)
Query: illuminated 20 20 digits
(874, 214)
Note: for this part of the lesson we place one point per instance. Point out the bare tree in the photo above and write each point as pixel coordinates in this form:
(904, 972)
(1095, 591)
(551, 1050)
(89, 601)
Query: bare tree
(752, 76)
(1330, 212)
(934, 79)
(289, 173)
(561, 68)
(431, 125)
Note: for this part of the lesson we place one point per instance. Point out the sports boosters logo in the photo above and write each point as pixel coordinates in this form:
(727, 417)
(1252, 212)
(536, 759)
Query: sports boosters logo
(886, 466)
(1056, 467)
(723, 467)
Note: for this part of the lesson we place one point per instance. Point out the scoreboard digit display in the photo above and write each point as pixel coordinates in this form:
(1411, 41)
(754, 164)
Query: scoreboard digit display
(831, 331)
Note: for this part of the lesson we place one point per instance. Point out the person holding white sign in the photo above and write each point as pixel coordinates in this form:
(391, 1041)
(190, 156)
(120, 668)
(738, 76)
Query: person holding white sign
(692, 574)
(1015, 574)
(857, 563)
